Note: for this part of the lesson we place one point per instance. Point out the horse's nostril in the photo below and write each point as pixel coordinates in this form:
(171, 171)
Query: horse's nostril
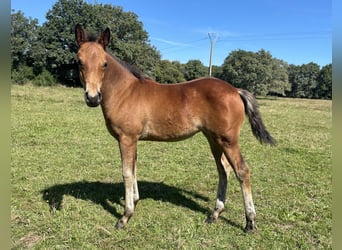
(86, 95)
(99, 94)
(93, 101)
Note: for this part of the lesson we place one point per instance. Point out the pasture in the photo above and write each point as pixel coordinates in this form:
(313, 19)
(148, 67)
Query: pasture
(67, 189)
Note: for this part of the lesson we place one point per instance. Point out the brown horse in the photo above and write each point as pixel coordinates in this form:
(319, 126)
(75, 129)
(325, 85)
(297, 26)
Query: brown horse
(137, 108)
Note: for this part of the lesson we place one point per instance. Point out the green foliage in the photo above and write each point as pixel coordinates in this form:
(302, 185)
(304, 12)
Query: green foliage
(309, 81)
(303, 80)
(169, 72)
(280, 82)
(22, 75)
(217, 71)
(61, 145)
(45, 78)
(194, 69)
(23, 37)
(324, 83)
(174, 72)
(257, 72)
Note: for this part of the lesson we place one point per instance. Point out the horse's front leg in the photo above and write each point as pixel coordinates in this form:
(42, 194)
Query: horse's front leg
(135, 184)
(128, 150)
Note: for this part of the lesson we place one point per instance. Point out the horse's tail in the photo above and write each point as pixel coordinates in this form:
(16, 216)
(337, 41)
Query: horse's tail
(254, 117)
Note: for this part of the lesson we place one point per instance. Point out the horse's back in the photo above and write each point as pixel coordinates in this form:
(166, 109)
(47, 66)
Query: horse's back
(200, 89)
(186, 108)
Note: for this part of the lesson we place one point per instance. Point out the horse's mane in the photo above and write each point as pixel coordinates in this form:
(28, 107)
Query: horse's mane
(131, 68)
(91, 37)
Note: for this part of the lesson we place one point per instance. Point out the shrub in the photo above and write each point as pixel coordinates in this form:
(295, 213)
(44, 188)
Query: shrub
(22, 75)
(45, 78)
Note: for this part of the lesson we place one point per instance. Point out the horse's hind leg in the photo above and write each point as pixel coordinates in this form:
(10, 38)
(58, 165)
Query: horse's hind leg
(242, 172)
(223, 170)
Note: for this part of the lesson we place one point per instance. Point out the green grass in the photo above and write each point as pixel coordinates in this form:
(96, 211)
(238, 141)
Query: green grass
(67, 190)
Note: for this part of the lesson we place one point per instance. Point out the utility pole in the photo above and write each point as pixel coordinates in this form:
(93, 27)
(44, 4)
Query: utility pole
(213, 38)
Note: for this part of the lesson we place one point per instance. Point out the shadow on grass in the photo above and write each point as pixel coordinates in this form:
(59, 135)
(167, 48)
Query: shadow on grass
(107, 194)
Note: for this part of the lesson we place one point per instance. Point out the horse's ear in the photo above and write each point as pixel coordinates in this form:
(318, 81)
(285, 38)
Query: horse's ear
(104, 38)
(80, 35)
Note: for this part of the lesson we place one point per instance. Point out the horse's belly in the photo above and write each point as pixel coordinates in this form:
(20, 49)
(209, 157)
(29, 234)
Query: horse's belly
(168, 130)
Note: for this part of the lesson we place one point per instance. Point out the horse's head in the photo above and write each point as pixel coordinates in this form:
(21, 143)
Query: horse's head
(92, 63)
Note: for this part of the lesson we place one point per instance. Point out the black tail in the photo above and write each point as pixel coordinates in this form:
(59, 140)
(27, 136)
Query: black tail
(252, 111)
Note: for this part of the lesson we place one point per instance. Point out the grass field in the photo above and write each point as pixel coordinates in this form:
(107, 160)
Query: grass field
(67, 190)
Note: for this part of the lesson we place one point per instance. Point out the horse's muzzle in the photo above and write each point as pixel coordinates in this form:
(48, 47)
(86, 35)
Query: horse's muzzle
(93, 101)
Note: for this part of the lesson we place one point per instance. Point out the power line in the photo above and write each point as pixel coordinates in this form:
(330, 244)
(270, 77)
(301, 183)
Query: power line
(255, 37)
(184, 44)
(213, 37)
(280, 36)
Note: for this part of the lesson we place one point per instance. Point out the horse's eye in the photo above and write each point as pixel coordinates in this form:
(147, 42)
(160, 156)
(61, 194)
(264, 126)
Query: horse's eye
(105, 65)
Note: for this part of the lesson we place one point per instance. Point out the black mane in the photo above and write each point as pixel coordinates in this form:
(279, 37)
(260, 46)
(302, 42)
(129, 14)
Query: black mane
(131, 68)
(92, 37)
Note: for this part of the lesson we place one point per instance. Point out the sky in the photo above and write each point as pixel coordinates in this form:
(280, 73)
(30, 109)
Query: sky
(296, 31)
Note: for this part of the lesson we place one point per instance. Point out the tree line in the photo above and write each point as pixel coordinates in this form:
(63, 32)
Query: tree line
(46, 54)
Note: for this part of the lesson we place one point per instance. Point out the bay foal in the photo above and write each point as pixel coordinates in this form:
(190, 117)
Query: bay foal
(137, 108)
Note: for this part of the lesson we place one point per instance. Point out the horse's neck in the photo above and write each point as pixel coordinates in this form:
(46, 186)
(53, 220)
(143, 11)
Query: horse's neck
(118, 82)
(117, 76)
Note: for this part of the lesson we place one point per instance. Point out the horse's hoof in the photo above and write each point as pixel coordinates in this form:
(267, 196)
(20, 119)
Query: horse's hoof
(211, 219)
(250, 228)
(120, 225)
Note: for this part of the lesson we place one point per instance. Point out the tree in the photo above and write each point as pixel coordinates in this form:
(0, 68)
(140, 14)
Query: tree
(303, 80)
(280, 79)
(238, 69)
(129, 41)
(292, 72)
(257, 72)
(217, 71)
(194, 69)
(169, 72)
(23, 36)
(28, 53)
(324, 83)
